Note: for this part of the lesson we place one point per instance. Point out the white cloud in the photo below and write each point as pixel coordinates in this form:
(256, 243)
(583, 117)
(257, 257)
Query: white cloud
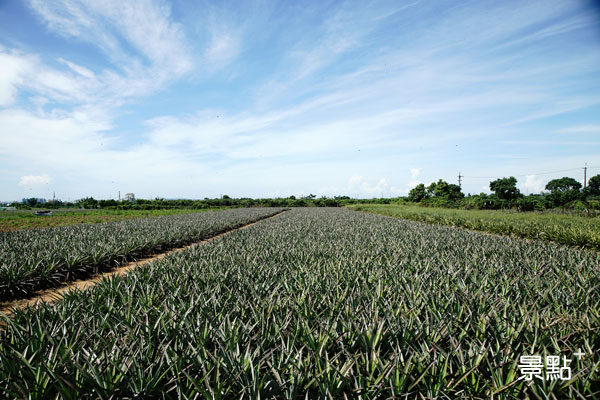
(532, 184)
(76, 84)
(414, 177)
(35, 180)
(146, 47)
(143, 24)
(414, 181)
(358, 185)
(14, 70)
(61, 140)
(74, 147)
(77, 68)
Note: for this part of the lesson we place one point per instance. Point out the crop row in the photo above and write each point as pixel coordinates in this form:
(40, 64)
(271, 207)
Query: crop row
(26, 219)
(320, 303)
(34, 259)
(572, 230)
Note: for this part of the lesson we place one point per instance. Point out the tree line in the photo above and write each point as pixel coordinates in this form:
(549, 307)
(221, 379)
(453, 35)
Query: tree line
(224, 201)
(560, 193)
(563, 192)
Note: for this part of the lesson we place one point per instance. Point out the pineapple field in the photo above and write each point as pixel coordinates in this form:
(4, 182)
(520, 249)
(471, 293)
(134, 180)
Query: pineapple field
(311, 303)
(35, 259)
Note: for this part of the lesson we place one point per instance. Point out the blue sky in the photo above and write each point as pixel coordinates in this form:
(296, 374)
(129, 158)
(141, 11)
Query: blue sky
(196, 99)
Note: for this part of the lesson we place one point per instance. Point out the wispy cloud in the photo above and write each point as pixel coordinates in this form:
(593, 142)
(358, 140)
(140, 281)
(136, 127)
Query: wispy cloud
(595, 129)
(145, 47)
(28, 71)
(554, 142)
(15, 70)
(223, 48)
(144, 25)
(77, 68)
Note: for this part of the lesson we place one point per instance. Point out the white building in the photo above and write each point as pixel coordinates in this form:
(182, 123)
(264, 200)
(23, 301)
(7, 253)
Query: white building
(129, 197)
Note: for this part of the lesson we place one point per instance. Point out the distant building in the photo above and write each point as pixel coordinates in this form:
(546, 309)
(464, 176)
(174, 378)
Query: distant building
(130, 197)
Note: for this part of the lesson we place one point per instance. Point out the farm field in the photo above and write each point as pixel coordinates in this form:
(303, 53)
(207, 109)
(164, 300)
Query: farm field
(25, 219)
(36, 259)
(320, 303)
(573, 230)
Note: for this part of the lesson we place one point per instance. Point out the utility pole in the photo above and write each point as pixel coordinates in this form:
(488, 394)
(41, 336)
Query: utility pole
(584, 176)
(119, 195)
(460, 180)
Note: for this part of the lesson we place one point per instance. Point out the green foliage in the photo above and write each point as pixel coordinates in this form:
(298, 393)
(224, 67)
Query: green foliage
(564, 184)
(483, 202)
(31, 202)
(107, 203)
(563, 190)
(319, 303)
(453, 192)
(505, 188)
(417, 194)
(443, 191)
(593, 187)
(54, 205)
(564, 193)
(531, 203)
(87, 202)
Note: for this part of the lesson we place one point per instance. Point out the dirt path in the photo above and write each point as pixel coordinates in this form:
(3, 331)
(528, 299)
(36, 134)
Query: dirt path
(55, 294)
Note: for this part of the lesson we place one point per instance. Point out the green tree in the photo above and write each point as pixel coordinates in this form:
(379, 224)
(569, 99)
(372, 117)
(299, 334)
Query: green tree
(107, 203)
(417, 193)
(88, 202)
(444, 190)
(430, 190)
(563, 190)
(441, 192)
(453, 192)
(505, 188)
(593, 187)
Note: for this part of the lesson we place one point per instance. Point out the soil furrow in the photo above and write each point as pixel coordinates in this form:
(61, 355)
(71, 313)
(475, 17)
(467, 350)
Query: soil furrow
(55, 294)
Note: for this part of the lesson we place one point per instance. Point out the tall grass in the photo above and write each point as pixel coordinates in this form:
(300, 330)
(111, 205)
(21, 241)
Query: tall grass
(319, 303)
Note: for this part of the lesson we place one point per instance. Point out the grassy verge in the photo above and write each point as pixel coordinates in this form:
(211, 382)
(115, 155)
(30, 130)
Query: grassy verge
(571, 230)
(25, 219)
